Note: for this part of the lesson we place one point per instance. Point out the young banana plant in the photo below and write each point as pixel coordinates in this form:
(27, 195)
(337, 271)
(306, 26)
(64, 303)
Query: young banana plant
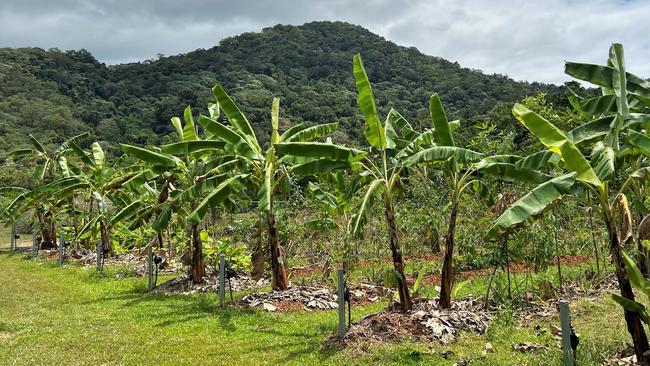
(46, 171)
(194, 176)
(391, 144)
(618, 130)
(461, 166)
(266, 171)
(336, 206)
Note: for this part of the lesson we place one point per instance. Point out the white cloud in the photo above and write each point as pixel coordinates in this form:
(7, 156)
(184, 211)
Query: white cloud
(526, 40)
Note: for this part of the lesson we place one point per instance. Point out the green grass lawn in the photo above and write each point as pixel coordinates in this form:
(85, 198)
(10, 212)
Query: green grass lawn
(70, 316)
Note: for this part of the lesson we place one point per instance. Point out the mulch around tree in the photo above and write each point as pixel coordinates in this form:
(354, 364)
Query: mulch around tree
(425, 323)
(310, 298)
(184, 285)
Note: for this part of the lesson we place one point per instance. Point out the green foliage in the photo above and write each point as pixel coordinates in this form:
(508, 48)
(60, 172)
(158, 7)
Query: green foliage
(235, 254)
(57, 94)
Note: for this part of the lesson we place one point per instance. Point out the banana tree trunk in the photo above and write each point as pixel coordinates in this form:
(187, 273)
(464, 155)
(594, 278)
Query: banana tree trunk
(279, 279)
(257, 256)
(47, 230)
(197, 266)
(398, 262)
(632, 319)
(447, 267)
(106, 237)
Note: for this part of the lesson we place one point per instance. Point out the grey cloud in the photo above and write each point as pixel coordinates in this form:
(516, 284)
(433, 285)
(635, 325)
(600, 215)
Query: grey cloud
(523, 39)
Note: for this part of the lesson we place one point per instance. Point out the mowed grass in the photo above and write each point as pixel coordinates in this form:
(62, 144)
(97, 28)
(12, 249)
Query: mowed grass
(72, 316)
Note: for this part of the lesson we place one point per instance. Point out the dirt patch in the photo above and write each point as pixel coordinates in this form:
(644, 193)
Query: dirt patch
(5, 336)
(184, 285)
(305, 271)
(289, 306)
(426, 322)
(517, 268)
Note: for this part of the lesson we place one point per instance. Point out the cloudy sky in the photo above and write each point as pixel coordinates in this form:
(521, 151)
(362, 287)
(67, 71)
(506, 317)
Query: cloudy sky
(527, 40)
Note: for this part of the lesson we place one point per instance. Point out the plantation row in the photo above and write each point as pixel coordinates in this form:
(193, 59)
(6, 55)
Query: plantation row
(218, 165)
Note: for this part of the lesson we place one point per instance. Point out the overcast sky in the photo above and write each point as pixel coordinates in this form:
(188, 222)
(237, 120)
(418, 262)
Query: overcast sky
(527, 40)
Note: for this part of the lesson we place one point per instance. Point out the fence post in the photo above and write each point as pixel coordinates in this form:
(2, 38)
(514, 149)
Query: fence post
(341, 296)
(222, 280)
(34, 243)
(150, 268)
(13, 238)
(565, 323)
(61, 246)
(100, 254)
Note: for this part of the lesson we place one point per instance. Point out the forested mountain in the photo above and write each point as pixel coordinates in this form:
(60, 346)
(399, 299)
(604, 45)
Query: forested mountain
(55, 94)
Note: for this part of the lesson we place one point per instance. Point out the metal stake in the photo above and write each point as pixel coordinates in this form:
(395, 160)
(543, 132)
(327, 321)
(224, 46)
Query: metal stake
(61, 245)
(150, 268)
(565, 323)
(34, 244)
(341, 295)
(100, 254)
(13, 238)
(222, 280)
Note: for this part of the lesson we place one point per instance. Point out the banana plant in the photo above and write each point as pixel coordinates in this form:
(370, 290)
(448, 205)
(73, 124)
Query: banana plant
(47, 170)
(382, 164)
(336, 206)
(193, 175)
(266, 171)
(461, 166)
(612, 144)
(458, 164)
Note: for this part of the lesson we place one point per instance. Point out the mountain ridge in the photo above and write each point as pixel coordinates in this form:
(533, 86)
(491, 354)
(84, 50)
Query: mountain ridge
(56, 94)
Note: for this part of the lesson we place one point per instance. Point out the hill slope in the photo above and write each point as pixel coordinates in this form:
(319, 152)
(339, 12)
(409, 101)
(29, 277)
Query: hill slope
(56, 94)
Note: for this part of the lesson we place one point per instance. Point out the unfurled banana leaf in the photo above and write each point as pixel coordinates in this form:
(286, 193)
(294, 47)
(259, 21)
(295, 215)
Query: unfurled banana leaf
(265, 194)
(319, 150)
(619, 79)
(149, 156)
(404, 128)
(275, 120)
(218, 195)
(292, 131)
(596, 106)
(603, 159)
(98, 155)
(374, 188)
(512, 173)
(590, 130)
(538, 160)
(189, 131)
(374, 131)
(193, 146)
(533, 204)
(312, 133)
(440, 123)
(639, 141)
(85, 158)
(234, 115)
(556, 141)
(444, 153)
(603, 75)
(236, 142)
